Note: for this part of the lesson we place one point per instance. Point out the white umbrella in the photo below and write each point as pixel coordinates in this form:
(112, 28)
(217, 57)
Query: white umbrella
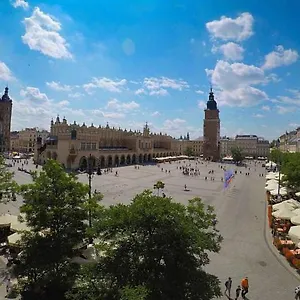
(272, 181)
(14, 222)
(290, 204)
(271, 175)
(282, 191)
(271, 187)
(294, 234)
(13, 239)
(284, 214)
(296, 219)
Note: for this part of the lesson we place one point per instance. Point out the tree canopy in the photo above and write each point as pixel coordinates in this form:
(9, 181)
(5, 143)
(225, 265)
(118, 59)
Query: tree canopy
(7, 185)
(55, 210)
(289, 164)
(237, 155)
(159, 185)
(156, 249)
(189, 151)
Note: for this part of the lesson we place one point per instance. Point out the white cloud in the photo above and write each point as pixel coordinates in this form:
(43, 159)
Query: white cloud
(174, 126)
(160, 92)
(158, 86)
(5, 72)
(42, 34)
(266, 108)
(199, 92)
(140, 92)
(122, 106)
(33, 94)
(75, 95)
(241, 97)
(201, 104)
(20, 3)
(155, 114)
(57, 86)
(232, 51)
(238, 29)
(280, 57)
(231, 76)
(108, 115)
(284, 109)
(105, 84)
(64, 103)
(152, 83)
(258, 116)
(294, 125)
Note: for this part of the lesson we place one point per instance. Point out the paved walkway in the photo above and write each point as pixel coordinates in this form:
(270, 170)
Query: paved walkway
(241, 209)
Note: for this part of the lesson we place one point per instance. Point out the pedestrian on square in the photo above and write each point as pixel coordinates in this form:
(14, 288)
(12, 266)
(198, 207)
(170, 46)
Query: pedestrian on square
(297, 292)
(228, 285)
(245, 287)
(237, 292)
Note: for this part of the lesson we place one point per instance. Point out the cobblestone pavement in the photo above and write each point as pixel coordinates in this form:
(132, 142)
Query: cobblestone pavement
(241, 209)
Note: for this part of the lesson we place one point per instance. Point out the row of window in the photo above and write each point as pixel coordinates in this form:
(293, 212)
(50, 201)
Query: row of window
(88, 146)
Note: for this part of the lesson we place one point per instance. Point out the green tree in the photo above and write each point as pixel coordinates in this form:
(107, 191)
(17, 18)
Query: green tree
(237, 155)
(290, 167)
(8, 186)
(159, 185)
(55, 209)
(189, 151)
(276, 156)
(161, 246)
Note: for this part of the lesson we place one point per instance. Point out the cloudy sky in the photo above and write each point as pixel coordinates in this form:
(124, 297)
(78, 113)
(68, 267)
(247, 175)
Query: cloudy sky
(128, 62)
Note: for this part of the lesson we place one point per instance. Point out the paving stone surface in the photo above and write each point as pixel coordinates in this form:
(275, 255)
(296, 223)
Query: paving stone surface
(241, 209)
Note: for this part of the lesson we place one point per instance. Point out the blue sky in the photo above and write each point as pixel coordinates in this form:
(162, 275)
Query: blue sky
(128, 62)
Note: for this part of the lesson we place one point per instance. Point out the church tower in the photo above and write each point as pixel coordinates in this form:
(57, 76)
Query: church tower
(211, 130)
(5, 121)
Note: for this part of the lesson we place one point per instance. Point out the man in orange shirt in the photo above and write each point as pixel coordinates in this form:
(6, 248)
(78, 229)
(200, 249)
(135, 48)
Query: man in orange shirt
(245, 287)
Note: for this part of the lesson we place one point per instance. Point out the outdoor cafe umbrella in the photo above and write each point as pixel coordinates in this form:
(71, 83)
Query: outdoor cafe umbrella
(14, 238)
(289, 204)
(294, 234)
(271, 187)
(296, 219)
(282, 191)
(284, 214)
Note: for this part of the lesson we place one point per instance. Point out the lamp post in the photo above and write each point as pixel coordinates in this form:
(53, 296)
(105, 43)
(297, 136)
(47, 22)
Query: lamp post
(90, 172)
(279, 169)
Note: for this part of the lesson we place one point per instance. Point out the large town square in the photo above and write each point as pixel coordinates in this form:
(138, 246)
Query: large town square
(247, 248)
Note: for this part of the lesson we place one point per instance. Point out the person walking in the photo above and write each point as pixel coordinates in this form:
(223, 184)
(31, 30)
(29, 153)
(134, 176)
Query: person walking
(228, 285)
(245, 286)
(297, 292)
(237, 292)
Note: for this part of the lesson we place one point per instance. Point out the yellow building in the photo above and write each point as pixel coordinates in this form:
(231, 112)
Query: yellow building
(73, 145)
(23, 141)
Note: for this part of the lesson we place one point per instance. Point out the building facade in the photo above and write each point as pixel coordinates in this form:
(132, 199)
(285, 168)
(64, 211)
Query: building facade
(5, 121)
(24, 141)
(290, 141)
(211, 130)
(250, 145)
(75, 146)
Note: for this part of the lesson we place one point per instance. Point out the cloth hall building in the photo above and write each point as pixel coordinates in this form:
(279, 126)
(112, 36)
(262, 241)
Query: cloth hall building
(74, 145)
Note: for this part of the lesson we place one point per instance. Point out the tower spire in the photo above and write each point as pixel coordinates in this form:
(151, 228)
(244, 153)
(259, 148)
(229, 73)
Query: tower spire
(211, 103)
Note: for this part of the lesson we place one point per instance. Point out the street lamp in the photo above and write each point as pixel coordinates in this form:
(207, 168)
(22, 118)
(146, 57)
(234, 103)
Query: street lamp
(279, 169)
(90, 172)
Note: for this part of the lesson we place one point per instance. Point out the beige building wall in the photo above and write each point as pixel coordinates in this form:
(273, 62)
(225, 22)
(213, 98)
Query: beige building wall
(72, 144)
(250, 145)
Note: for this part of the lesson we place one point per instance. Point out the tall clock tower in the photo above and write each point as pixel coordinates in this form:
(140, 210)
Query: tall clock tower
(211, 130)
(5, 121)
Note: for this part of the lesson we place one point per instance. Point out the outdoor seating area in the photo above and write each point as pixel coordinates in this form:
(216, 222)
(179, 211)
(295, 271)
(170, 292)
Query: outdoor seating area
(284, 218)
